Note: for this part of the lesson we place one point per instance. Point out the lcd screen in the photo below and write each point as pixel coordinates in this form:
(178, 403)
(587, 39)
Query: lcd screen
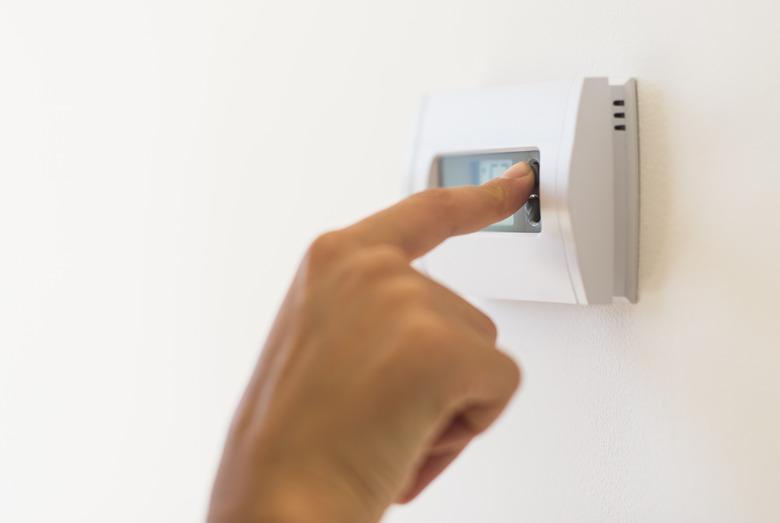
(476, 169)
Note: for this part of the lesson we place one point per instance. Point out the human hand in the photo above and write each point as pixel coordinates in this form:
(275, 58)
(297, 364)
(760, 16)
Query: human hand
(374, 377)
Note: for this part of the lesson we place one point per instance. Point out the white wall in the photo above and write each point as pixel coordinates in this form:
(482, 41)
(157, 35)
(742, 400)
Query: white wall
(163, 164)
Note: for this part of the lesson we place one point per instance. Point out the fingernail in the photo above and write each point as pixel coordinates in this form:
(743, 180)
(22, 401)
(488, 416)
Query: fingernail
(518, 170)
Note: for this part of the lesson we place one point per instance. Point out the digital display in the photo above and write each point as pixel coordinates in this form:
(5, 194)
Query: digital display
(476, 169)
(489, 169)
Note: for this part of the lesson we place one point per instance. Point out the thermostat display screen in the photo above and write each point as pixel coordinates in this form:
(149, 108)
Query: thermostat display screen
(489, 169)
(476, 169)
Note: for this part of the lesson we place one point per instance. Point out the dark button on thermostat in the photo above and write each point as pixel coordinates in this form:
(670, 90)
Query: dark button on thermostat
(532, 208)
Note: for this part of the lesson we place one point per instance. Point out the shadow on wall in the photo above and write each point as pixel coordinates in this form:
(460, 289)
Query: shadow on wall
(656, 188)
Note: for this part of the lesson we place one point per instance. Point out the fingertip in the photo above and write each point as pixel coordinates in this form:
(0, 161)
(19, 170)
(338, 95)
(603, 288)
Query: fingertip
(515, 186)
(518, 170)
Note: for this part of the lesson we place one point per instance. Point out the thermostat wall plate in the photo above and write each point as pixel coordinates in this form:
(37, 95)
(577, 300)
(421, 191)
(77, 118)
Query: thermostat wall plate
(576, 240)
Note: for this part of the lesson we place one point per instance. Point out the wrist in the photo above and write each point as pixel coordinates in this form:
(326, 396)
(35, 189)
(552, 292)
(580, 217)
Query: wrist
(297, 503)
(276, 489)
(303, 499)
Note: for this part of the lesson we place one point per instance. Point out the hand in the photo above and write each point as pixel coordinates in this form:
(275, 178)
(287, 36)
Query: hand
(374, 377)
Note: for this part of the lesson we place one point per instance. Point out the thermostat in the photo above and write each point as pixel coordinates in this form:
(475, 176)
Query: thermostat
(576, 239)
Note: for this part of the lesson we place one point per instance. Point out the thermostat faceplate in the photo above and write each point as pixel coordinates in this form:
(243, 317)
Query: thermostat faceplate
(583, 134)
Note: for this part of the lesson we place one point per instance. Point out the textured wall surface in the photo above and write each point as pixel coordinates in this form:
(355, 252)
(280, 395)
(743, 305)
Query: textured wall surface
(165, 163)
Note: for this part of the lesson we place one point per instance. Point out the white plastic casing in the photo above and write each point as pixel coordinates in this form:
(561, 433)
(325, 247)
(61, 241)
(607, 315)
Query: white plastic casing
(586, 133)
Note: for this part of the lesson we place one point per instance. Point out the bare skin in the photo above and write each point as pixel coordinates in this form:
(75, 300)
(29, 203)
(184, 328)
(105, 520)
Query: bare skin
(374, 377)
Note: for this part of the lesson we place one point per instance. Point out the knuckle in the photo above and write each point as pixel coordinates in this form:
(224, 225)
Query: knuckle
(378, 262)
(386, 257)
(325, 248)
(404, 294)
(429, 358)
(491, 328)
(511, 372)
(425, 330)
(517, 374)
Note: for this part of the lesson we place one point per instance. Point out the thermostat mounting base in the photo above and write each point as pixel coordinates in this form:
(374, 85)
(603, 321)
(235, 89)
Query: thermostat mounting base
(625, 149)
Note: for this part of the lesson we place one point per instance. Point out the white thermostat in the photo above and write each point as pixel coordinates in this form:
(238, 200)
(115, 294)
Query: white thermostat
(576, 240)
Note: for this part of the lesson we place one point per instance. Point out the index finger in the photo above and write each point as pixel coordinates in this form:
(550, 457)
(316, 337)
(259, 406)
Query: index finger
(424, 220)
